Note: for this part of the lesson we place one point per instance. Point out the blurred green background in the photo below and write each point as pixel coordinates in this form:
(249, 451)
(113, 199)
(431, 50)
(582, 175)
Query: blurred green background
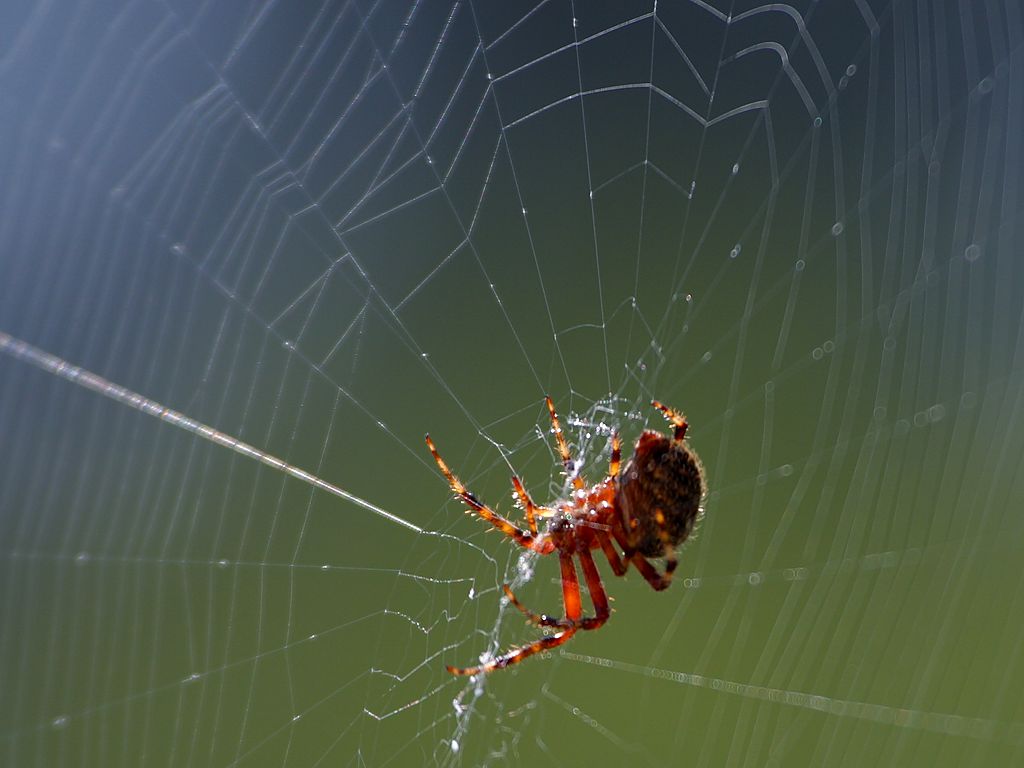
(329, 229)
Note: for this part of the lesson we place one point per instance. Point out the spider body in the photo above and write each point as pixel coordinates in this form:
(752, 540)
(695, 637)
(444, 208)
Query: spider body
(647, 510)
(663, 475)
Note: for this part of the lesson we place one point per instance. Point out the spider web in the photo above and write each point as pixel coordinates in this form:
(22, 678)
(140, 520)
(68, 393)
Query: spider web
(326, 229)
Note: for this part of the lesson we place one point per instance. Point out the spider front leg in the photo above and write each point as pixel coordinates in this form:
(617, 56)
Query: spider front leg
(523, 538)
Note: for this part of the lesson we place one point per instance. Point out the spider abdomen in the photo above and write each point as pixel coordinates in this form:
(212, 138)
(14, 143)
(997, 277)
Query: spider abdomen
(660, 493)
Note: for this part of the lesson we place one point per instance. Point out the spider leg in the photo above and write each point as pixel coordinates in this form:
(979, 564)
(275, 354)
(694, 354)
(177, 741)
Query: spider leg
(619, 566)
(658, 581)
(573, 611)
(597, 595)
(541, 619)
(563, 448)
(516, 655)
(675, 417)
(649, 572)
(627, 551)
(521, 537)
(616, 460)
(570, 598)
(529, 508)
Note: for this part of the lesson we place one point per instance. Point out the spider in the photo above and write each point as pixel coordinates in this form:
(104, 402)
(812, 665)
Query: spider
(648, 509)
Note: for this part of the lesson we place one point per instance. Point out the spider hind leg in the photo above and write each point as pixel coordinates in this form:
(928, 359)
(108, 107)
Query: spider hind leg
(573, 621)
(674, 417)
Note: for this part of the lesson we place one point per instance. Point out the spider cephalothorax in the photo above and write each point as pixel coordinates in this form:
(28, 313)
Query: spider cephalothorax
(648, 510)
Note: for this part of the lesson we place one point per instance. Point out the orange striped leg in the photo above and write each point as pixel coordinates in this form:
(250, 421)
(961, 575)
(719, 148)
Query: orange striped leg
(573, 610)
(521, 537)
(529, 508)
(619, 567)
(563, 449)
(517, 655)
(616, 460)
(675, 417)
(541, 619)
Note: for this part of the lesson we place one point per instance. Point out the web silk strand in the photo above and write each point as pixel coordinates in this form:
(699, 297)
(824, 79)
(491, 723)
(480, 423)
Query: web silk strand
(61, 368)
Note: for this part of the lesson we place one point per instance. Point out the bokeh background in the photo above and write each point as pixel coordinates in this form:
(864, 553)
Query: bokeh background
(328, 228)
